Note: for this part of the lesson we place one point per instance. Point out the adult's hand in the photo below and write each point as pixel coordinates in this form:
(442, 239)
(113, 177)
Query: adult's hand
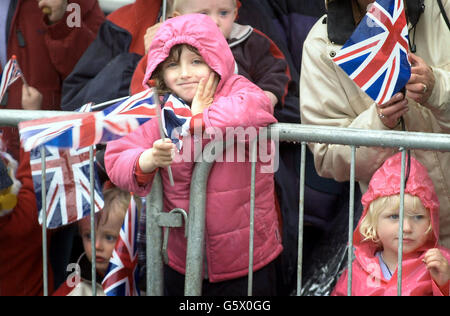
(54, 9)
(391, 111)
(422, 81)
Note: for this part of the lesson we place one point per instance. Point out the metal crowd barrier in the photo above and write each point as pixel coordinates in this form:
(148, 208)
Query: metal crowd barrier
(156, 219)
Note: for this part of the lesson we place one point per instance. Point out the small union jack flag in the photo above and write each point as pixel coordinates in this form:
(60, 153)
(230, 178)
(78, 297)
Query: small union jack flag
(67, 184)
(123, 273)
(176, 119)
(10, 74)
(86, 129)
(376, 55)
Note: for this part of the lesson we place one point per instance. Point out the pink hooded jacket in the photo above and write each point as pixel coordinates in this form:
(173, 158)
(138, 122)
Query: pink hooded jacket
(367, 278)
(237, 103)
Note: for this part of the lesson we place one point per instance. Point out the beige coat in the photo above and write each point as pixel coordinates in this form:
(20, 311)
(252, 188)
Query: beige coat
(329, 97)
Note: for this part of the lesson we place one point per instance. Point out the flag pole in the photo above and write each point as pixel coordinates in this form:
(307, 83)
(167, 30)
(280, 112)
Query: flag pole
(101, 105)
(22, 76)
(161, 130)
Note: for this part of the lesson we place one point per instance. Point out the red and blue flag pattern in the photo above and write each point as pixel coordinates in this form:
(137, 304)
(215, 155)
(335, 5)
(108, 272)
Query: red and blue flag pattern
(123, 273)
(67, 185)
(376, 55)
(176, 119)
(84, 129)
(11, 72)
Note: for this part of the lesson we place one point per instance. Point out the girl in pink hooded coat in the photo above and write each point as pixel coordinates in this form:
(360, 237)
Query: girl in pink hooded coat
(425, 265)
(220, 100)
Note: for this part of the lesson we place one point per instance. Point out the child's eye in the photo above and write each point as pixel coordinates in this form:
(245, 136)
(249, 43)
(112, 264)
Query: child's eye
(224, 12)
(394, 216)
(171, 64)
(418, 217)
(198, 61)
(111, 238)
(86, 236)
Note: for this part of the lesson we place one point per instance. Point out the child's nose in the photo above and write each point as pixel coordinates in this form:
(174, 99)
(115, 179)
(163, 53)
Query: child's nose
(406, 225)
(184, 71)
(216, 19)
(98, 244)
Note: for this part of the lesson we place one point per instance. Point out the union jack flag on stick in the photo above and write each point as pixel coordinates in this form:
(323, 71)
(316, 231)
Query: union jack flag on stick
(86, 129)
(68, 197)
(10, 74)
(376, 55)
(123, 273)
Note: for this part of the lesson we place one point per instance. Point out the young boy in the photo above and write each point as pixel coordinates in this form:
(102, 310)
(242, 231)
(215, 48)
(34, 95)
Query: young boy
(108, 223)
(425, 265)
(257, 57)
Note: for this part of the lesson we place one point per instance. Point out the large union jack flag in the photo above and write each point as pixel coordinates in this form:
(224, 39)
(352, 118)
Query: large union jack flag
(11, 72)
(123, 273)
(67, 185)
(375, 56)
(85, 129)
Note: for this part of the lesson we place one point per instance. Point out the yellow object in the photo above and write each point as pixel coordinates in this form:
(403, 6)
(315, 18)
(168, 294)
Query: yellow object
(8, 200)
(46, 10)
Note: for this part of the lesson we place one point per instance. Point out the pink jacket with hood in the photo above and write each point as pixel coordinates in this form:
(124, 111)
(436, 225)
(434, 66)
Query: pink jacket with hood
(237, 103)
(367, 277)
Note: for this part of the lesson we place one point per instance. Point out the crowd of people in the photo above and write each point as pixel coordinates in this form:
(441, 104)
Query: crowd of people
(233, 64)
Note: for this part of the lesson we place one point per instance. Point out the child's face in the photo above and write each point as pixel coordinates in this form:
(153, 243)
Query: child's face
(106, 235)
(183, 76)
(415, 227)
(223, 12)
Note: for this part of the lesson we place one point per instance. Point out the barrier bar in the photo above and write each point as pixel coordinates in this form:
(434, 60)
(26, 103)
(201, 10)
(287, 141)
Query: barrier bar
(301, 216)
(253, 159)
(153, 234)
(400, 226)
(44, 223)
(351, 212)
(92, 215)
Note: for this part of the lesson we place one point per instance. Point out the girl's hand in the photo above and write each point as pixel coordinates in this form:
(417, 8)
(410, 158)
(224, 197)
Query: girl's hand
(421, 83)
(391, 111)
(31, 98)
(57, 9)
(438, 266)
(159, 156)
(204, 95)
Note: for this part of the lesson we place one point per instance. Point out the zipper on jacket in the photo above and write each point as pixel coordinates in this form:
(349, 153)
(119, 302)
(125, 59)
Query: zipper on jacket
(10, 17)
(20, 38)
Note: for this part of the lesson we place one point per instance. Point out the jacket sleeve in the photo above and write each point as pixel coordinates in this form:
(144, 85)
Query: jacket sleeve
(439, 101)
(269, 71)
(122, 155)
(68, 39)
(24, 215)
(242, 104)
(325, 101)
(104, 71)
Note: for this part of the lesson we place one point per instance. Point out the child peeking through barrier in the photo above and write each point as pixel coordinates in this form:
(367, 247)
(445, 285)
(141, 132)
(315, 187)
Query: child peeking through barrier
(108, 223)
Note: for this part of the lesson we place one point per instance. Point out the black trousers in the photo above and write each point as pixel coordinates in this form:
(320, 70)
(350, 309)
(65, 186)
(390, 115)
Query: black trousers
(264, 283)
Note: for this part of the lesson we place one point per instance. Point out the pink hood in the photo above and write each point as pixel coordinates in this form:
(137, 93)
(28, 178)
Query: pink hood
(386, 182)
(199, 31)
(367, 275)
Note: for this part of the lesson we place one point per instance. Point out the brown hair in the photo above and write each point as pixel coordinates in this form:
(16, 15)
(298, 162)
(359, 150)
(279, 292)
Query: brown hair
(117, 200)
